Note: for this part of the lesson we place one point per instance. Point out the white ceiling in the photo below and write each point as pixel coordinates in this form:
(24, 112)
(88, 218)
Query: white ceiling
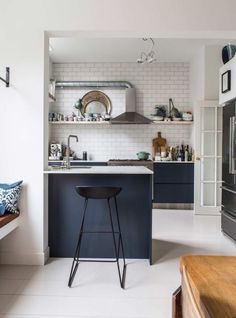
(72, 50)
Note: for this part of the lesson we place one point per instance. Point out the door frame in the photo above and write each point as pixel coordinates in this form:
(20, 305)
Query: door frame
(198, 207)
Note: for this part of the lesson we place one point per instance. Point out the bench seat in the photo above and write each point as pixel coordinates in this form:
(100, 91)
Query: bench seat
(8, 222)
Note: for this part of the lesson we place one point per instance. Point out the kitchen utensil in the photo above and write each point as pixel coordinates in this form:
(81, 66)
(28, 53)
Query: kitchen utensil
(142, 155)
(174, 112)
(157, 143)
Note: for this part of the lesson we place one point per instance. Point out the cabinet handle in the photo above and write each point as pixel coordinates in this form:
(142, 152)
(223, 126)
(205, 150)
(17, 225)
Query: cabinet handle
(229, 217)
(226, 189)
(198, 158)
(231, 145)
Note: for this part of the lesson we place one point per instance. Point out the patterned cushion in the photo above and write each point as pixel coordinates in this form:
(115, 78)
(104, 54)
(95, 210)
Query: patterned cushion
(9, 195)
(2, 209)
(6, 186)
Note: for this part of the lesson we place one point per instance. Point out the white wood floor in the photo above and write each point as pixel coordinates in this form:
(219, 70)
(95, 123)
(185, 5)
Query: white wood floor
(41, 292)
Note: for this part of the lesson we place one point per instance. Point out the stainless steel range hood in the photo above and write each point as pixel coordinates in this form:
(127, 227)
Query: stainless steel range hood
(130, 116)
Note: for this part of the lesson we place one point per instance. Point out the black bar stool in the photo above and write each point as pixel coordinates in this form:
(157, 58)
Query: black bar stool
(106, 193)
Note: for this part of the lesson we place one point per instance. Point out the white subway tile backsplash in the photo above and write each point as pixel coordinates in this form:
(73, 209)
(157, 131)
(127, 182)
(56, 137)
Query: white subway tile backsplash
(154, 83)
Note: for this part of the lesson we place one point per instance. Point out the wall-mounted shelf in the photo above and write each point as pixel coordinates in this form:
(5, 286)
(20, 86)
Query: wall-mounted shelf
(78, 122)
(181, 122)
(108, 123)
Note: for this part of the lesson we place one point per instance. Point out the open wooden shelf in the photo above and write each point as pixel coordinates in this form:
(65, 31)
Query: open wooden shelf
(78, 122)
(107, 123)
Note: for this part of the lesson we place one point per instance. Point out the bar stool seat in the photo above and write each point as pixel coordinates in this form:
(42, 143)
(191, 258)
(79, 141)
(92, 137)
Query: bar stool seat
(100, 193)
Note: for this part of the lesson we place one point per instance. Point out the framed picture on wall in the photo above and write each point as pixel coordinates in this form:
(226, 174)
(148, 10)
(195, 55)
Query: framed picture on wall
(226, 81)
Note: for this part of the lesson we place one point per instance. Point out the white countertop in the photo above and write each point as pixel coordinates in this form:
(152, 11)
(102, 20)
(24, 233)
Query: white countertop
(169, 161)
(100, 170)
(78, 160)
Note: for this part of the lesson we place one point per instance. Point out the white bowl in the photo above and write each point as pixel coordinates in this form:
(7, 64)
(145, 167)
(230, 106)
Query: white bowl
(187, 117)
(157, 118)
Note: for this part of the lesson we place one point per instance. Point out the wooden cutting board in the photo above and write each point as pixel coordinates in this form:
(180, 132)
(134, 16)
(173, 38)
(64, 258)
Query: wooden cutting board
(157, 143)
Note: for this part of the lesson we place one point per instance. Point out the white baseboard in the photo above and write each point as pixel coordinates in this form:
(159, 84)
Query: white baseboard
(13, 258)
(208, 213)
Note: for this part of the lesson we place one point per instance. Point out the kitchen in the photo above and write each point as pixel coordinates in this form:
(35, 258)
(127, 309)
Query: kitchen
(171, 76)
(172, 183)
(126, 135)
(153, 83)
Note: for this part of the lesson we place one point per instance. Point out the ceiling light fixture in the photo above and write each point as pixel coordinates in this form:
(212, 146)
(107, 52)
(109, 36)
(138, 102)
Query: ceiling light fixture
(149, 56)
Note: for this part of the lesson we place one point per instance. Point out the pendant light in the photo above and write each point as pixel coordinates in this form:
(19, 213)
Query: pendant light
(150, 55)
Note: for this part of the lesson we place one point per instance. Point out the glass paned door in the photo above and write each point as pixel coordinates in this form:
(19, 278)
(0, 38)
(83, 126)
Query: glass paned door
(208, 142)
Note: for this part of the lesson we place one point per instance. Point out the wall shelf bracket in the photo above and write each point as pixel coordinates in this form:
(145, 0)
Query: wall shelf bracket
(7, 80)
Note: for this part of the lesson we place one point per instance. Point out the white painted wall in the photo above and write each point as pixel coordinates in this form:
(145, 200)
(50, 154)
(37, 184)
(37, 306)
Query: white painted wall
(204, 73)
(197, 76)
(196, 84)
(22, 27)
(21, 129)
(213, 62)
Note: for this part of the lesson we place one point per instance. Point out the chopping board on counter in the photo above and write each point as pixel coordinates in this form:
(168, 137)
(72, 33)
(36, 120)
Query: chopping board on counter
(157, 143)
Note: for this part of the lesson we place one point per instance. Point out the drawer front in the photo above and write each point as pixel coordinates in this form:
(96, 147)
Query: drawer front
(228, 225)
(173, 173)
(173, 193)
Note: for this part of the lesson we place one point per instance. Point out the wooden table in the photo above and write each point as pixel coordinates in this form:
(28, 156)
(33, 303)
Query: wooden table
(208, 287)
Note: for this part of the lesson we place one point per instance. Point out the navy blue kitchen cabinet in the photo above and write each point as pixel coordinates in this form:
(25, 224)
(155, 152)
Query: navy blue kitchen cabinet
(173, 182)
(65, 215)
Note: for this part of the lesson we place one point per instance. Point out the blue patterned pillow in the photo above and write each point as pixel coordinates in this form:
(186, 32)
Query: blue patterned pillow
(9, 195)
(2, 209)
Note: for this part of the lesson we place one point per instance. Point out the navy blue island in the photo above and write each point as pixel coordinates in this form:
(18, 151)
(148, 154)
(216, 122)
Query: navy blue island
(134, 204)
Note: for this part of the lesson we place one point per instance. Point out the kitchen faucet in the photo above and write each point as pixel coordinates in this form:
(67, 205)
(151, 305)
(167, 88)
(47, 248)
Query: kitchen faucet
(68, 150)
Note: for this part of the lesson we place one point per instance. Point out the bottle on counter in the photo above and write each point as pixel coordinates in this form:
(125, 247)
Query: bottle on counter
(85, 155)
(192, 155)
(178, 154)
(170, 153)
(186, 153)
(182, 153)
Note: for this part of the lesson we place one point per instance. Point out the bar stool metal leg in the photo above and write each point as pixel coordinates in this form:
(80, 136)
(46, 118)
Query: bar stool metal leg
(117, 250)
(75, 263)
(120, 243)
